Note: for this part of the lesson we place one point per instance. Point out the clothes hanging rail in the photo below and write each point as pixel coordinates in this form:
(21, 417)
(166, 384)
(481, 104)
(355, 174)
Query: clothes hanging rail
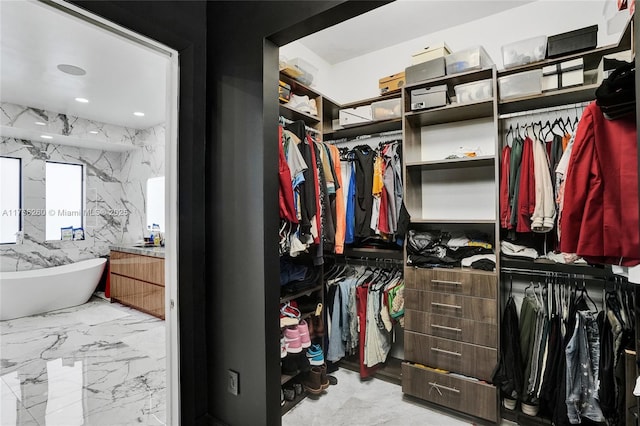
(544, 110)
(392, 133)
(541, 273)
(283, 120)
(377, 262)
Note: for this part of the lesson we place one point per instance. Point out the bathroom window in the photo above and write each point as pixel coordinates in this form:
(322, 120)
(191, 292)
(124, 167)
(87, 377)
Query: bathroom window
(10, 199)
(64, 199)
(155, 202)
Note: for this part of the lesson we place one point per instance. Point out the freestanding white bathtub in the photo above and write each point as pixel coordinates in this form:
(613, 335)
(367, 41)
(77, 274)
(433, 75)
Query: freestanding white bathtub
(24, 293)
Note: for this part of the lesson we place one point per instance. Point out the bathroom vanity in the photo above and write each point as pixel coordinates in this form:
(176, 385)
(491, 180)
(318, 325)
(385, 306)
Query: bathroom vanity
(137, 278)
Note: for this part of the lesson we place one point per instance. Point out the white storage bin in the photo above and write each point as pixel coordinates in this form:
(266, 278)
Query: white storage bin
(474, 91)
(524, 51)
(474, 58)
(387, 109)
(521, 84)
(358, 115)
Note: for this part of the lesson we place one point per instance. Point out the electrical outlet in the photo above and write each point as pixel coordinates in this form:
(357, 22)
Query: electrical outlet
(233, 383)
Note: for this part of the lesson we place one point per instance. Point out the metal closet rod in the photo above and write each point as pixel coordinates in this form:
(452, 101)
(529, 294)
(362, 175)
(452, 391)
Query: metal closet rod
(307, 128)
(367, 261)
(539, 273)
(544, 110)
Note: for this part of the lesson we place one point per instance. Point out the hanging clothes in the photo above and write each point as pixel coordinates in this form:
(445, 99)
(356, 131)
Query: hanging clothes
(505, 208)
(365, 157)
(598, 223)
(339, 200)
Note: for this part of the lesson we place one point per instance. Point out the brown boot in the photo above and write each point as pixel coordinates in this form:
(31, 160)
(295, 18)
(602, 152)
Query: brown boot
(318, 325)
(324, 380)
(311, 382)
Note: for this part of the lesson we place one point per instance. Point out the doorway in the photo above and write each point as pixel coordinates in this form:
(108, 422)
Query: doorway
(118, 156)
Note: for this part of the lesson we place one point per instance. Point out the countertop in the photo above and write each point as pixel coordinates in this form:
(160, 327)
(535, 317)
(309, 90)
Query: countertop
(144, 251)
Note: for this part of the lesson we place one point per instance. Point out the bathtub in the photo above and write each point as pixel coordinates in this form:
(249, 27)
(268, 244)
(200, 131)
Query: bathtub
(24, 293)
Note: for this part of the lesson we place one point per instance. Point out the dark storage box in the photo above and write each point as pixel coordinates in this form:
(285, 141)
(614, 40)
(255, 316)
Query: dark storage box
(573, 41)
(429, 97)
(425, 70)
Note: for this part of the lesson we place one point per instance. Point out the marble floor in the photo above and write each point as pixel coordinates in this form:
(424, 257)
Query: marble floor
(95, 364)
(365, 403)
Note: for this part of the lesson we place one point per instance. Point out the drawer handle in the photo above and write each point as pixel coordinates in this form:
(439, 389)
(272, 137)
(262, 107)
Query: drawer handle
(445, 305)
(446, 352)
(438, 387)
(446, 328)
(446, 282)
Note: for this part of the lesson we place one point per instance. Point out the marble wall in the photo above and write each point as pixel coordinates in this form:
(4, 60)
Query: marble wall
(115, 185)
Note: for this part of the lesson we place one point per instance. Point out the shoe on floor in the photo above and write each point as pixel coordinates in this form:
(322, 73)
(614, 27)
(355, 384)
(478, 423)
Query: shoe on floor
(312, 381)
(324, 380)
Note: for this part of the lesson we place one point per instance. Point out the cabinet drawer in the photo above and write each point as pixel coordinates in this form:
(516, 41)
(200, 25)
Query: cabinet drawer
(476, 399)
(457, 357)
(467, 283)
(139, 295)
(464, 330)
(144, 268)
(452, 305)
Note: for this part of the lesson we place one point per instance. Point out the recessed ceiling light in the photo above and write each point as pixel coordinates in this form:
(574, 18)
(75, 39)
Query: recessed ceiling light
(71, 69)
(82, 100)
(46, 137)
(40, 123)
(93, 132)
(138, 114)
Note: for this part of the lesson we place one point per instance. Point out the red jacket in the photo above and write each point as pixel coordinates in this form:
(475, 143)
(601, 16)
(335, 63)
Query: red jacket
(527, 189)
(505, 210)
(600, 216)
(285, 190)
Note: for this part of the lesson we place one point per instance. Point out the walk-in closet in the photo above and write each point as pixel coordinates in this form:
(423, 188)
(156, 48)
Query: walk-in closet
(459, 224)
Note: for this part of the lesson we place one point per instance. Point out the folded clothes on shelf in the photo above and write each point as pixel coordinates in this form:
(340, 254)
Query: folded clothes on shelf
(428, 249)
(515, 250)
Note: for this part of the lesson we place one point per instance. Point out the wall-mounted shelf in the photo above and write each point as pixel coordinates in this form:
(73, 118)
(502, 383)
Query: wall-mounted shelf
(293, 114)
(549, 99)
(373, 253)
(450, 113)
(453, 163)
(365, 129)
(453, 79)
(289, 297)
(528, 265)
(454, 221)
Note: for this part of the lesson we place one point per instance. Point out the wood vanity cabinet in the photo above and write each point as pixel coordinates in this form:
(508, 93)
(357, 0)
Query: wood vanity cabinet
(138, 281)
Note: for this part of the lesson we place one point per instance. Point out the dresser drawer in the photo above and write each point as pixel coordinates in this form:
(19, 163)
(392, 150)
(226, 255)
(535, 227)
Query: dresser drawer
(143, 268)
(464, 282)
(464, 330)
(457, 357)
(452, 305)
(474, 398)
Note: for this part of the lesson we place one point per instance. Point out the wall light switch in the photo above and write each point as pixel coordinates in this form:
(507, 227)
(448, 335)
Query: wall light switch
(233, 382)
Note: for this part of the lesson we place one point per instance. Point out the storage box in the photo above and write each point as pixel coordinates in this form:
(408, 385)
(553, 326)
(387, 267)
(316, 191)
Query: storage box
(562, 80)
(300, 70)
(359, 115)
(429, 97)
(429, 53)
(562, 75)
(474, 91)
(425, 70)
(284, 91)
(572, 41)
(387, 109)
(474, 58)
(521, 84)
(609, 63)
(524, 51)
(391, 83)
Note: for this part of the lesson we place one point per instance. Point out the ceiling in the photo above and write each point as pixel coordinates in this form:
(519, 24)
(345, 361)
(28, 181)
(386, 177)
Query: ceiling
(396, 22)
(121, 77)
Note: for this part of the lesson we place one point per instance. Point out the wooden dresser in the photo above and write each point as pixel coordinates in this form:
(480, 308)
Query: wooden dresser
(451, 319)
(137, 281)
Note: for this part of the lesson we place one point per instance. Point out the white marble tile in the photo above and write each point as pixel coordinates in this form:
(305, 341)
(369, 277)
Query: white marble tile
(115, 184)
(71, 367)
(364, 403)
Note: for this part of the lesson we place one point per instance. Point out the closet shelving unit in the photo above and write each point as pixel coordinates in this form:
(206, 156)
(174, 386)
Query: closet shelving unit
(391, 370)
(524, 105)
(451, 315)
(313, 122)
